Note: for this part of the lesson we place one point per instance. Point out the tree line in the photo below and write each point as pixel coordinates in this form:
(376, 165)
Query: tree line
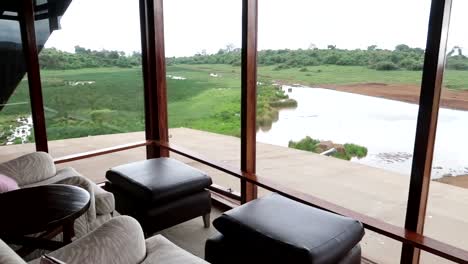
(402, 57)
(53, 59)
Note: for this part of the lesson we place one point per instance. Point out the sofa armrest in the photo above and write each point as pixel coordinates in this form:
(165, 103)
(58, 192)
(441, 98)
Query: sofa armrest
(30, 168)
(105, 202)
(86, 184)
(118, 241)
(161, 250)
(102, 202)
(8, 256)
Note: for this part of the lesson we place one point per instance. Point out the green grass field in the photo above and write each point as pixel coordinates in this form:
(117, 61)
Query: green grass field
(334, 74)
(114, 103)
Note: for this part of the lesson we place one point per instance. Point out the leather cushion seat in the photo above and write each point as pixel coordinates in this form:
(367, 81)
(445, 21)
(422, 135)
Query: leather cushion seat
(158, 180)
(300, 232)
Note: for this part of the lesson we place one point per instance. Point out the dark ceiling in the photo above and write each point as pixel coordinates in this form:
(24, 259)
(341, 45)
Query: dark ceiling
(12, 66)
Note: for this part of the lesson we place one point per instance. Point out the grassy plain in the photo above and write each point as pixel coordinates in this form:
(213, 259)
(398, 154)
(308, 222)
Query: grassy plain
(344, 75)
(114, 102)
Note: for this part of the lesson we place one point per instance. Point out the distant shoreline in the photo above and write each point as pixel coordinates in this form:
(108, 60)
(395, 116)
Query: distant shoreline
(409, 93)
(460, 180)
(451, 99)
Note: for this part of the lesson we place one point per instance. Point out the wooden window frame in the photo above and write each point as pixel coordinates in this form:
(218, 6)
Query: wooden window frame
(429, 100)
(249, 97)
(156, 121)
(28, 37)
(154, 75)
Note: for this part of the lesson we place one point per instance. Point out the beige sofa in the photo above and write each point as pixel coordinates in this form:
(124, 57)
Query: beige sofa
(118, 241)
(39, 169)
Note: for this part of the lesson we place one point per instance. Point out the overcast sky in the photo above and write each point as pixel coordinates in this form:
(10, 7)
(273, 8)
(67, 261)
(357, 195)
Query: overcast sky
(192, 26)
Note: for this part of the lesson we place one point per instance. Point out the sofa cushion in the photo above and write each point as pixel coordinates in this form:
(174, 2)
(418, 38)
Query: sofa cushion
(30, 168)
(303, 233)
(118, 241)
(8, 256)
(158, 180)
(161, 250)
(7, 184)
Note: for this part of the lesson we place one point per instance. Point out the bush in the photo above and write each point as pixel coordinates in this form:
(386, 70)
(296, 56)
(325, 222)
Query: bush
(346, 152)
(304, 70)
(331, 59)
(269, 100)
(354, 150)
(417, 66)
(267, 116)
(412, 65)
(346, 60)
(457, 65)
(284, 103)
(386, 66)
(307, 143)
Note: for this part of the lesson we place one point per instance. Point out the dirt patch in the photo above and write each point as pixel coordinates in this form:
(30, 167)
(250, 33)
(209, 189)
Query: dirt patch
(403, 92)
(460, 181)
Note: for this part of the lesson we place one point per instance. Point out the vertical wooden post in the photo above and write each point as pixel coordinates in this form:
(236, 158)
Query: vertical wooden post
(249, 96)
(431, 87)
(28, 37)
(154, 75)
(147, 81)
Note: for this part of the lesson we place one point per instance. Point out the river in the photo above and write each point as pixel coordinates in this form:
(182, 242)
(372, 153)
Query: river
(386, 127)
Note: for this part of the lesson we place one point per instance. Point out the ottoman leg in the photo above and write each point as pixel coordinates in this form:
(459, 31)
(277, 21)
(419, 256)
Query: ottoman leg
(206, 220)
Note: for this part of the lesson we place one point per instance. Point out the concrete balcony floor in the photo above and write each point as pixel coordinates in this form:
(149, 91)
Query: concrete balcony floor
(375, 192)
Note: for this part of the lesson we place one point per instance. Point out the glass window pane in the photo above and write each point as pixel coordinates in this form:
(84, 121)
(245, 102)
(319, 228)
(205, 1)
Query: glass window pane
(92, 78)
(16, 132)
(448, 195)
(338, 93)
(430, 258)
(203, 41)
(95, 168)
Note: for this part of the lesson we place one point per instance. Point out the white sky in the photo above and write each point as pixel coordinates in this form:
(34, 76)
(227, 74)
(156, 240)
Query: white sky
(192, 26)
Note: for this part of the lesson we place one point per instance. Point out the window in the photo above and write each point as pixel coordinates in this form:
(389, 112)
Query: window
(338, 92)
(203, 80)
(92, 78)
(448, 194)
(16, 132)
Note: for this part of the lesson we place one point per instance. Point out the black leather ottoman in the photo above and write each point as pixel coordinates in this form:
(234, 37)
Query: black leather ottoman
(274, 229)
(160, 193)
